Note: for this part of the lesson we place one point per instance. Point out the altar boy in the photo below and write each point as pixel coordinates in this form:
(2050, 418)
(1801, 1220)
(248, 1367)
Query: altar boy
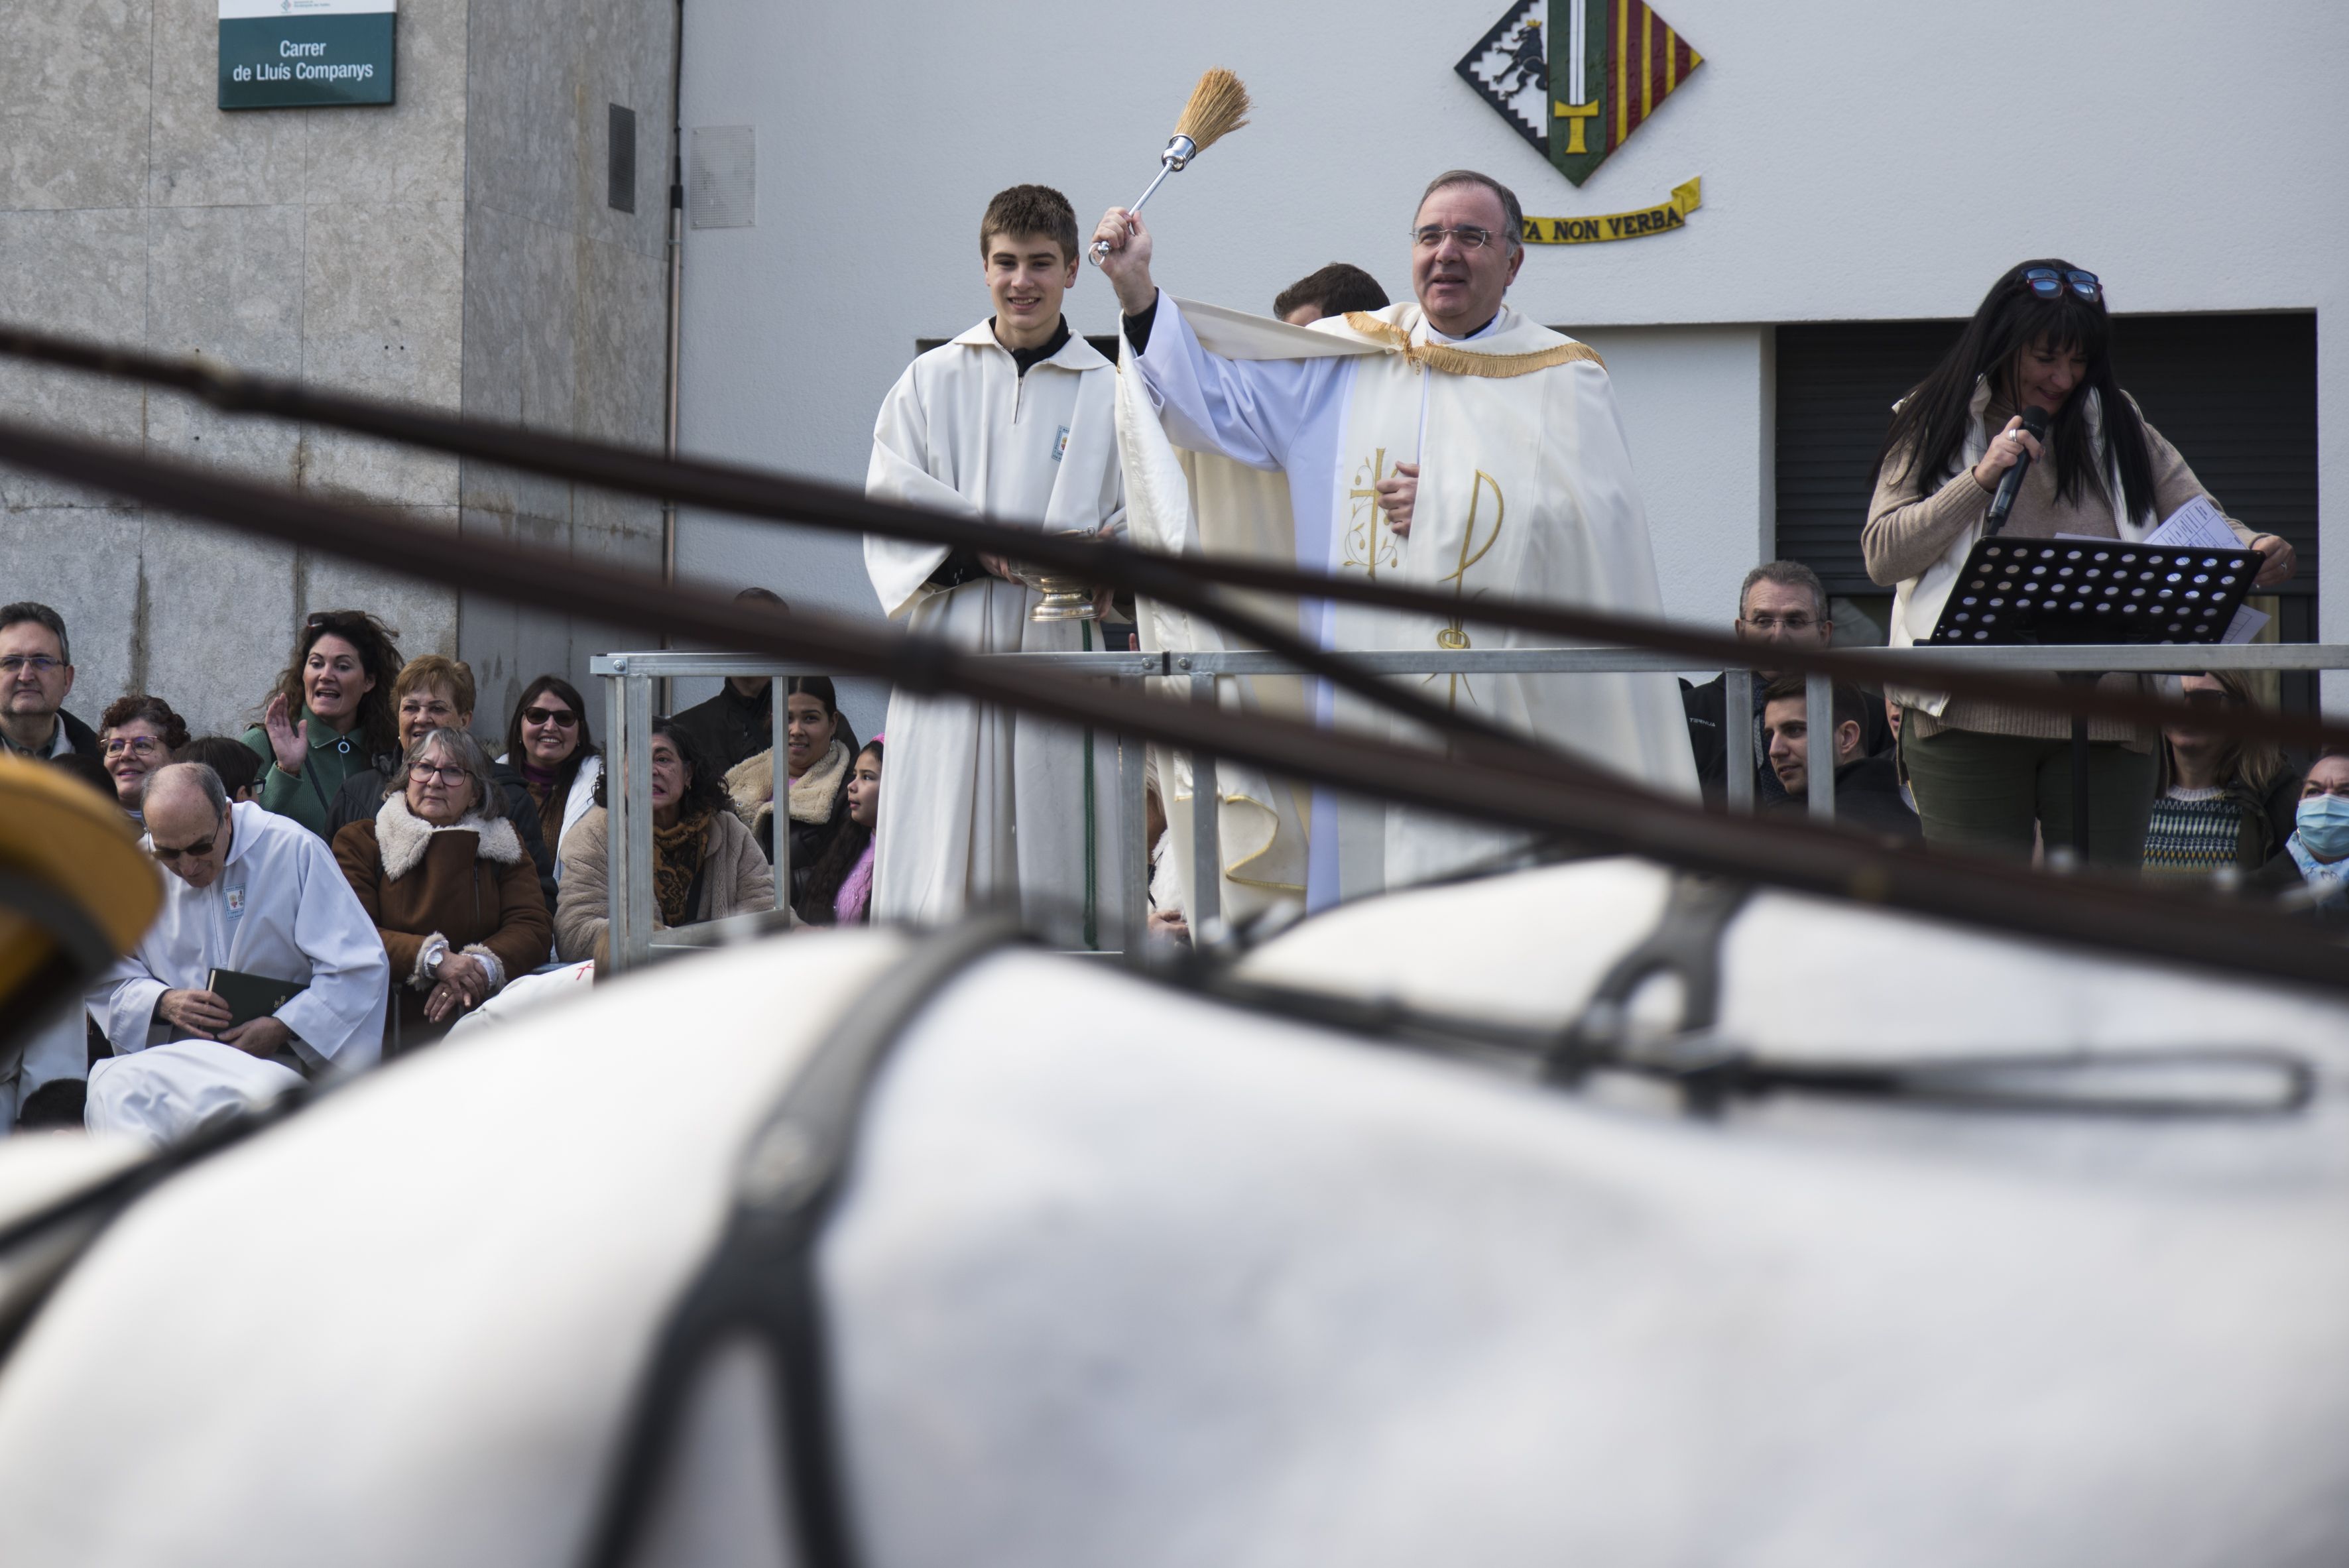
(1015, 421)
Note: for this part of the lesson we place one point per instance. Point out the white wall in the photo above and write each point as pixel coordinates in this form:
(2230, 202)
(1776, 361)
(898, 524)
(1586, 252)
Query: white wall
(1860, 161)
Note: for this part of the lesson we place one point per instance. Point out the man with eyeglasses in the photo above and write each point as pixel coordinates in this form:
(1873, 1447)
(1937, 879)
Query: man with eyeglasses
(1781, 602)
(35, 675)
(1446, 444)
(252, 892)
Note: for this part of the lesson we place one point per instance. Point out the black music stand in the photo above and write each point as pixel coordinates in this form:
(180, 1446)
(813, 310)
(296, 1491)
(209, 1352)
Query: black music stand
(2053, 592)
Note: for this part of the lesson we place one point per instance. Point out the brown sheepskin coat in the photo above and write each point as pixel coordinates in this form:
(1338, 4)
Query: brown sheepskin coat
(473, 884)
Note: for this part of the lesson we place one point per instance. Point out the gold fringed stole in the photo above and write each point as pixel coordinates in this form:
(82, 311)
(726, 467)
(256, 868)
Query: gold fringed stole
(1454, 360)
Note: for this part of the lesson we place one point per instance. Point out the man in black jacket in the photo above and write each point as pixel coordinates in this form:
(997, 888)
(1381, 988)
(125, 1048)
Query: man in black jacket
(1781, 601)
(1866, 788)
(35, 674)
(738, 723)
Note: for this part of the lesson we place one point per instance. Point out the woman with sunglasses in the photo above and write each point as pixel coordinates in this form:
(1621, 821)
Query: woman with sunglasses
(329, 717)
(550, 748)
(1986, 776)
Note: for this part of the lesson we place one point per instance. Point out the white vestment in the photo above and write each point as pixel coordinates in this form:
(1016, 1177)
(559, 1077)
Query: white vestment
(280, 907)
(963, 432)
(1525, 491)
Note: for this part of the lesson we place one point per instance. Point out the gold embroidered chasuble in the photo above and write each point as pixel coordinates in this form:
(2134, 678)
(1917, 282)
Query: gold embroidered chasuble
(1247, 436)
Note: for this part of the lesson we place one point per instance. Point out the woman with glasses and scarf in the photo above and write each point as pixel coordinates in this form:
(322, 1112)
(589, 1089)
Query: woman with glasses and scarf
(452, 892)
(331, 715)
(1986, 775)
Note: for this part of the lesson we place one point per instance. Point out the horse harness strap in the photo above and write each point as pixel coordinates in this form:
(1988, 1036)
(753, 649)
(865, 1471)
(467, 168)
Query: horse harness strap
(1685, 944)
(760, 1284)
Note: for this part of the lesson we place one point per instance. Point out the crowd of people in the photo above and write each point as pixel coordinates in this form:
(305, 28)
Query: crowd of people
(357, 874)
(2237, 814)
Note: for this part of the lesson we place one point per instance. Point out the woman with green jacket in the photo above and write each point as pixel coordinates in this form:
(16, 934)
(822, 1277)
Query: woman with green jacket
(331, 715)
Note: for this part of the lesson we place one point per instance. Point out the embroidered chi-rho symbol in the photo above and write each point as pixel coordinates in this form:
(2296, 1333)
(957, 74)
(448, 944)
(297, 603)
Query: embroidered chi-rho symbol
(1059, 443)
(1577, 77)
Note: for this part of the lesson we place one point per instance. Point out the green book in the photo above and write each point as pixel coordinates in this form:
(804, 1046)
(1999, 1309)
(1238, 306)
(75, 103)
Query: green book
(251, 997)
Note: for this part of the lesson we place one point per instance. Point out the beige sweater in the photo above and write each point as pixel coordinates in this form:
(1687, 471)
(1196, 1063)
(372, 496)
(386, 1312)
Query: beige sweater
(1908, 529)
(735, 877)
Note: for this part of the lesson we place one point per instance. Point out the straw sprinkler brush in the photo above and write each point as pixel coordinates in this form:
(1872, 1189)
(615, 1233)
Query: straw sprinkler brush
(1218, 105)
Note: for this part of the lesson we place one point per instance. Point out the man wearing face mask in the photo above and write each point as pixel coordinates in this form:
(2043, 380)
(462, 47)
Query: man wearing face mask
(2313, 871)
(252, 892)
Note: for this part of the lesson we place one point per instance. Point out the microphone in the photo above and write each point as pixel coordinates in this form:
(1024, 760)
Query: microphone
(2035, 425)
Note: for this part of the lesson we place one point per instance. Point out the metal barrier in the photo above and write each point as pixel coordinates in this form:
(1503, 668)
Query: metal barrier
(628, 680)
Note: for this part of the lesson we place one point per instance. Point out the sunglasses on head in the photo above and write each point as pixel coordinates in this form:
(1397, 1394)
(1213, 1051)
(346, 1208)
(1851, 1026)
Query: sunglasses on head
(199, 849)
(2049, 283)
(560, 716)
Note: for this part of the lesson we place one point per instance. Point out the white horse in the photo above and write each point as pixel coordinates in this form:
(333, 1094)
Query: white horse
(1119, 1272)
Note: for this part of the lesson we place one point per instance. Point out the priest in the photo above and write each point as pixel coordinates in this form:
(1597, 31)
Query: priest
(1014, 420)
(250, 894)
(1446, 444)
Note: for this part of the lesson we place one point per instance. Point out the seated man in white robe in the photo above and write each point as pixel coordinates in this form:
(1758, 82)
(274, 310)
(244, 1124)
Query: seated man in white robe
(1445, 443)
(1014, 420)
(251, 893)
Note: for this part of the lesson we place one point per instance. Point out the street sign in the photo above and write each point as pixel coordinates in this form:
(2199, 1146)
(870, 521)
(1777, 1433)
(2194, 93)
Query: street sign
(297, 54)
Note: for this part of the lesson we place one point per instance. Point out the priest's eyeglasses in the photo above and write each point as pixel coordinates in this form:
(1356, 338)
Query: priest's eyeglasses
(1470, 239)
(2048, 282)
(199, 849)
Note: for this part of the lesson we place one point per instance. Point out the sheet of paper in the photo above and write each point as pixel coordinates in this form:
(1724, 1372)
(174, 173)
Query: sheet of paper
(2196, 525)
(2245, 626)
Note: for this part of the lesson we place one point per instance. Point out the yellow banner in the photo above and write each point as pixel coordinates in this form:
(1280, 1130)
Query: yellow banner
(1673, 214)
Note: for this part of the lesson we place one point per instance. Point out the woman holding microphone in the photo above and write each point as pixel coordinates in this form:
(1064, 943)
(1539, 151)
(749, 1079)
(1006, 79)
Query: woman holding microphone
(1983, 774)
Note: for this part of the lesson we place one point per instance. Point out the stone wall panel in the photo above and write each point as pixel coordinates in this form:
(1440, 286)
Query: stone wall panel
(83, 562)
(382, 311)
(81, 274)
(74, 109)
(225, 283)
(412, 150)
(220, 618)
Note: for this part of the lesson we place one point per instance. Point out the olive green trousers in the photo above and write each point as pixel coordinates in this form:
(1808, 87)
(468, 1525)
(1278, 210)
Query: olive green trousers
(1984, 793)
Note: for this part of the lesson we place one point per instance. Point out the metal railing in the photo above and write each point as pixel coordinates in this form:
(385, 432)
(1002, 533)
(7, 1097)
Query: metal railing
(628, 680)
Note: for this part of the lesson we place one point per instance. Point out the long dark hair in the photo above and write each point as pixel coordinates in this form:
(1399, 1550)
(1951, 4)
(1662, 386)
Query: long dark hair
(569, 771)
(1930, 427)
(819, 689)
(703, 791)
(378, 651)
(839, 858)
